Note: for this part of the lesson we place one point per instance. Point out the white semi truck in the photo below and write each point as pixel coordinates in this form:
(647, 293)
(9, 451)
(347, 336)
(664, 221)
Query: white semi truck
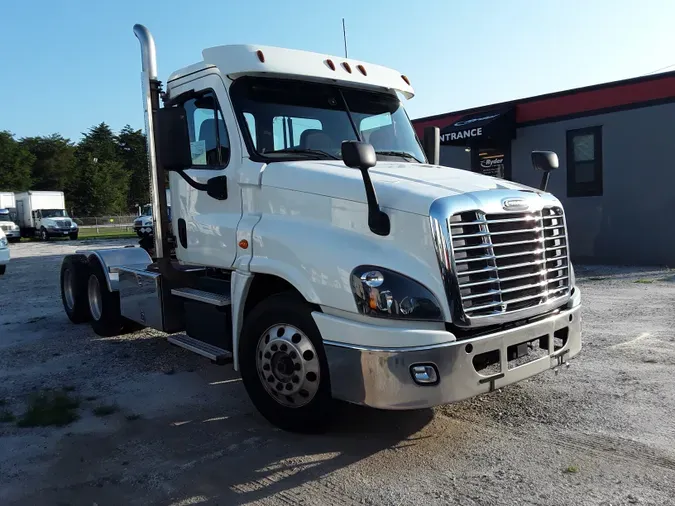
(144, 223)
(323, 266)
(43, 214)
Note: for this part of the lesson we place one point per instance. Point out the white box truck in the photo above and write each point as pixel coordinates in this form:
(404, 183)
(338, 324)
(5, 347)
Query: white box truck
(8, 218)
(322, 265)
(144, 224)
(43, 214)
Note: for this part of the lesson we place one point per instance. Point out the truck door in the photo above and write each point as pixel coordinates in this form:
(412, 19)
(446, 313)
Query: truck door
(205, 228)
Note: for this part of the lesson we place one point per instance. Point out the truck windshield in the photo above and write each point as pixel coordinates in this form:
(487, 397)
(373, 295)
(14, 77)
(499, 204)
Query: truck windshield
(287, 119)
(54, 213)
(147, 210)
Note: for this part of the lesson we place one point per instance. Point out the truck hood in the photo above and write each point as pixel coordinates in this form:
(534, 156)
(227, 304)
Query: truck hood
(409, 187)
(53, 221)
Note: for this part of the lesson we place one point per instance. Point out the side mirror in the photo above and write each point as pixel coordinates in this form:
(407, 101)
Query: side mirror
(432, 145)
(358, 155)
(545, 161)
(361, 155)
(173, 143)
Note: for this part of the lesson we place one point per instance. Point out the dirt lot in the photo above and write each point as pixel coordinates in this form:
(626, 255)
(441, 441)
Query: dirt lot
(158, 425)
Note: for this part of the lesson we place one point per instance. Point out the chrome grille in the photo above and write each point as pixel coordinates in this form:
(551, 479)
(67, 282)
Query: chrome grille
(63, 223)
(509, 261)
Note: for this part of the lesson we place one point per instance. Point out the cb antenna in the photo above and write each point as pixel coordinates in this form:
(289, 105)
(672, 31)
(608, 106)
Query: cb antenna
(344, 35)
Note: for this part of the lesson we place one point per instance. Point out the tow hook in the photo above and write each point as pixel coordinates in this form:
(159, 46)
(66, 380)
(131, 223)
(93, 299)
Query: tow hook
(560, 361)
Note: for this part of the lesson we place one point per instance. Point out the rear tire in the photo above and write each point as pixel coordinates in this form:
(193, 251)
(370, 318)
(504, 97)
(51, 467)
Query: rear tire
(14, 239)
(104, 305)
(283, 364)
(74, 276)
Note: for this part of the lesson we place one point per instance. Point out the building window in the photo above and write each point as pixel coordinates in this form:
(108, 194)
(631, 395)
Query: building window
(584, 162)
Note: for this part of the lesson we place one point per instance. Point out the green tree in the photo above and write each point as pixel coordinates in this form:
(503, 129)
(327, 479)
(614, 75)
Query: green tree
(54, 165)
(133, 154)
(102, 184)
(15, 164)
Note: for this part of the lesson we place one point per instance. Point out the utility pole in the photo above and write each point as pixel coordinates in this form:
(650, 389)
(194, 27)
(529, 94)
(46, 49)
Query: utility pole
(344, 35)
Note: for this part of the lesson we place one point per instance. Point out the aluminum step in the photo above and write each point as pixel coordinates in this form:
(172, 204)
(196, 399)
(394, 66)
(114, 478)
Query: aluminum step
(215, 299)
(207, 350)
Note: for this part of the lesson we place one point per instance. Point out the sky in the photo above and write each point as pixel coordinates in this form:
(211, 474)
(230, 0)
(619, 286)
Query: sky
(66, 65)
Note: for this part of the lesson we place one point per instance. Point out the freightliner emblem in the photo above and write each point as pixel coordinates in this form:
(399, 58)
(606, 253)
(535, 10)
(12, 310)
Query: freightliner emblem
(514, 204)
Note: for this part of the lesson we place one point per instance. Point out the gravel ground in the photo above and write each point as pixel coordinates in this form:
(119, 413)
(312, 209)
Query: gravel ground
(598, 433)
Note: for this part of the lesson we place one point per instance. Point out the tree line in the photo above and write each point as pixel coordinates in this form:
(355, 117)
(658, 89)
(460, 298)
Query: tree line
(103, 174)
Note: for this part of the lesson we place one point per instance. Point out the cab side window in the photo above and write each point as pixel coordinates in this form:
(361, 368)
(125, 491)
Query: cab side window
(209, 143)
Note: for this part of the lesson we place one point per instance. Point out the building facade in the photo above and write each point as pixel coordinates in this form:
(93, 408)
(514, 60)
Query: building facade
(617, 175)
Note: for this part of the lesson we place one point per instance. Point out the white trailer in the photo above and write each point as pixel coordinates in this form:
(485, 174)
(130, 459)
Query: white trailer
(323, 266)
(43, 214)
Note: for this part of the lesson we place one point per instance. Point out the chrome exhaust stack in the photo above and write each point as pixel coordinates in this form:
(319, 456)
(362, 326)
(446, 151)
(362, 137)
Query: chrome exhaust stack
(151, 93)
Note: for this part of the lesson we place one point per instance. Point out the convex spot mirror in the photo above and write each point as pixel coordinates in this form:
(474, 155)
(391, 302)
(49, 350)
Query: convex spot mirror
(544, 160)
(358, 155)
(174, 139)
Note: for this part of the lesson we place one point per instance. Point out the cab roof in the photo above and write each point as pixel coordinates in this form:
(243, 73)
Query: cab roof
(245, 59)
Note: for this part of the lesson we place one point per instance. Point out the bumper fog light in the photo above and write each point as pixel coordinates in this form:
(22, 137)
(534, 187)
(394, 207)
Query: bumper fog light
(424, 374)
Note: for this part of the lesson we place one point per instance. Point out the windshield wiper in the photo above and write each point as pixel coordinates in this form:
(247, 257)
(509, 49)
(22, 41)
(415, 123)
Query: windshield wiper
(305, 151)
(403, 154)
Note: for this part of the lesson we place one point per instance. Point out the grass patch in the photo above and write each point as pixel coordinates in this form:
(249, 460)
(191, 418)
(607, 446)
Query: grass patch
(644, 281)
(49, 407)
(572, 469)
(6, 416)
(105, 233)
(133, 417)
(105, 409)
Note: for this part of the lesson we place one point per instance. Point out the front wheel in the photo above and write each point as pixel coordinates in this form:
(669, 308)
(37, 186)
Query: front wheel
(44, 236)
(3, 268)
(73, 236)
(283, 364)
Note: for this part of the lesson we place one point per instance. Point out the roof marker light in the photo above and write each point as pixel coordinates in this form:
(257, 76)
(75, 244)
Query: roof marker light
(261, 56)
(347, 67)
(407, 81)
(362, 69)
(330, 64)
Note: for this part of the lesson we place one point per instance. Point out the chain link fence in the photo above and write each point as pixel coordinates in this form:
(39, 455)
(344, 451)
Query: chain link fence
(106, 224)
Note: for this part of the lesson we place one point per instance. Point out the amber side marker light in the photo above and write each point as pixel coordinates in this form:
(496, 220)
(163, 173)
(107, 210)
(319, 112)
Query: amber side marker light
(347, 67)
(362, 69)
(407, 81)
(330, 64)
(243, 244)
(261, 56)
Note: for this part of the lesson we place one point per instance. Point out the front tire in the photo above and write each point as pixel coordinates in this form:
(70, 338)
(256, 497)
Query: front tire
(3, 269)
(104, 305)
(44, 236)
(73, 237)
(74, 276)
(283, 364)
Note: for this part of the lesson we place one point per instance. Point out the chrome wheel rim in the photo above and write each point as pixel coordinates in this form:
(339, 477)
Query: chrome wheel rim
(95, 299)
(69, 288)
(44, 235)
(288, 365)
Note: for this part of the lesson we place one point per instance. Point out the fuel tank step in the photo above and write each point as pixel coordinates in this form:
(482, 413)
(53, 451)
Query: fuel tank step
(218, 355)
(215, 299)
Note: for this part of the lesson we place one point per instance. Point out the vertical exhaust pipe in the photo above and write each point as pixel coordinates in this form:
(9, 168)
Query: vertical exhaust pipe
(151, 90)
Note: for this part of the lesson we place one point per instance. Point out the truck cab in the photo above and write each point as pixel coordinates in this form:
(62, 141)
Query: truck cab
(321, 248)
(8, 226)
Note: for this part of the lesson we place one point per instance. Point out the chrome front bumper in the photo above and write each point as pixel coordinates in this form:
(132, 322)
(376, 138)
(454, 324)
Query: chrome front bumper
(382, 378)
(12, 234)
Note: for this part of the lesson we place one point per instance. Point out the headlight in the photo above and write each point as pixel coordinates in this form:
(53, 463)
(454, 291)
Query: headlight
(3, 242)
(73, 224)
(386, 294)
(147, 224)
